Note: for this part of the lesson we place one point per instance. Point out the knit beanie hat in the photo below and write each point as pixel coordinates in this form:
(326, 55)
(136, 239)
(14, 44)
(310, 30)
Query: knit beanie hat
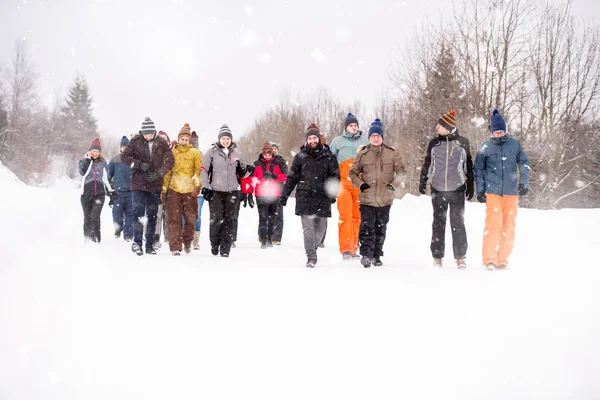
(497, 122)
(163, 133)
(124, 141)
(376, 127)
(185, 131)
(313, 129)
(350, 119)
(148, 127)
(225, 131)
(96, 145)
(448, 121)
(274, 145)
(267, 148)
(323, 139)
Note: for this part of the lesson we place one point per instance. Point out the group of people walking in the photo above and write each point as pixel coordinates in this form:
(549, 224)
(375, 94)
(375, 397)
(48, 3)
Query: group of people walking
(360, 172)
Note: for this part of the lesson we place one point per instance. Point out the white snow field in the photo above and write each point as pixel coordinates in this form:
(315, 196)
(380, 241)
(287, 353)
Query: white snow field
(94, 321)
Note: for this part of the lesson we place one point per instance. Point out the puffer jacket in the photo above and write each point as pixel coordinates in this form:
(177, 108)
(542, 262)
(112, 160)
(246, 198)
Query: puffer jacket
(119, 174)
(94, 174)
(378, 167)
(185, 175)
(157, 154)
(496, 166)
(222, 168)
(316, 177)
(448, 164)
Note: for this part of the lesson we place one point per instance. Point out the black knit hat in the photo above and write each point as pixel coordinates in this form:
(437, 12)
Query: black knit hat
(448, 121)
(313, 129)
(350, 119)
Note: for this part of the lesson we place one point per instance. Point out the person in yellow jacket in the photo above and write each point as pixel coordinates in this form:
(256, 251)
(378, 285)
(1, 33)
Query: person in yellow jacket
(344, 147)
(181, 186)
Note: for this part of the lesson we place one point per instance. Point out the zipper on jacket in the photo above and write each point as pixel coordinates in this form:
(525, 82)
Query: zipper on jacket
(95, 189)
(446, 173)
(502, 164)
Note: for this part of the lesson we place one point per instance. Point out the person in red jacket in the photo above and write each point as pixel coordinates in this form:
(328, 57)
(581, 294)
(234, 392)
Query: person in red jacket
(265, 183)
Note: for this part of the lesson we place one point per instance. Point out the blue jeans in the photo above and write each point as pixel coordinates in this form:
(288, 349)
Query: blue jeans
(122, 213)
(199, 220)
(144, 204)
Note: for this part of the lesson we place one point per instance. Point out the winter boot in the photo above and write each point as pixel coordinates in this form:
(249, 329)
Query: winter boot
(225, 255)
(501, 266)
(461, 264)
(355, 256)
(117, 234)
(187, 247)
(366, 262)
(137, 249)
(346, 255)
(196, 241)
(276, 242)
(176, 253)
(490, 266)
(311, 263)
(214, 250)
(150, 250)
(437, 262)
(377, 262)
(156, 245)
(128, 239)
(263, 244)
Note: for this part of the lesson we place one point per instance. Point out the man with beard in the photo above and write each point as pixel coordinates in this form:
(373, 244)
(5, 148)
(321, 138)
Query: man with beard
(316, 177)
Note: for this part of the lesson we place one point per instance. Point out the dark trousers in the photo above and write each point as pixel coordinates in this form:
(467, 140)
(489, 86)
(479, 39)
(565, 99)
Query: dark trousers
(223, 219)
(373, 228)
(92, 208)
(267, 216)
(181, 205)
(144, 204)
(278, 224)
(441, 201)
(122, 213)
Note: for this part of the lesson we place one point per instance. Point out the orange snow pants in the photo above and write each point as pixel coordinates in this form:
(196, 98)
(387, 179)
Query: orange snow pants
(499, 234)
(349, 223)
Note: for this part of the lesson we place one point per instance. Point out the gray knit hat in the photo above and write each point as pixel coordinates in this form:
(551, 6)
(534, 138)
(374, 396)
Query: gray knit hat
(148, 127)
(225, 131)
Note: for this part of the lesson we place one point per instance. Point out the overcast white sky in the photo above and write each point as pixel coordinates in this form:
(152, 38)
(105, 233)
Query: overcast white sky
(213, 62)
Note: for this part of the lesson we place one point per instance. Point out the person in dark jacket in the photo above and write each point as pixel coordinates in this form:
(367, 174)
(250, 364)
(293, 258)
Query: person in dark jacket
(151, 158)
(122, 212)
(94, 187)
(315, 175)
(448, 167)
(278, 222)
(266, 185)
(501, 175)
(222, 164)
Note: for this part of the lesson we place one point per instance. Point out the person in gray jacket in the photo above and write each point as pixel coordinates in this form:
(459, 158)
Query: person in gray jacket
(222, 166)
(449, 167)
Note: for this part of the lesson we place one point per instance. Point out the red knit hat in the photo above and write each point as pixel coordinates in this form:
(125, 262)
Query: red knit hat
(96, 145)
(267, 148)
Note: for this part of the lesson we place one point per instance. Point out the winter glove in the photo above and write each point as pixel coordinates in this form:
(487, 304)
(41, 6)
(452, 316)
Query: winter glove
(207, 193)
(364, 186)
(152, 176)
(244, 199)
(270, 175)
(332, 200)
(111, 196)
(195, 192)
(251, 200)
(391, 187)
(523, 189)
(283, 201)
(423, 188)
(144, 166)
(249, 169)
(469, 193)
(163, 198)
(481, 197)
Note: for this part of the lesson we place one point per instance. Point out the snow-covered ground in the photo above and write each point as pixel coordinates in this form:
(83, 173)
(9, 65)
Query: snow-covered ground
(87, 321)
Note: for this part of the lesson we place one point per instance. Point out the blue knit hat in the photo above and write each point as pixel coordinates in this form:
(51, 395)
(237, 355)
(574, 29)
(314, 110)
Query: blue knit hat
(376, 127)
(497, 122)
(124, 141)
(350, 119)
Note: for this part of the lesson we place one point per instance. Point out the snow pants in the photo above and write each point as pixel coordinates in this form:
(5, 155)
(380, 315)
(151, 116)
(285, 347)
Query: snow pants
(122, 213)
(92, 208)
(441, 201)
(145, 204)
(224, 208)
(267, 216)
(499, 234)
(181, 205)
(349, 223)
(373, 228)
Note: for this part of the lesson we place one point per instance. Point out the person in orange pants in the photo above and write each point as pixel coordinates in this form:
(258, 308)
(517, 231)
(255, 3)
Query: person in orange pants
(501, 176)
(344, 147)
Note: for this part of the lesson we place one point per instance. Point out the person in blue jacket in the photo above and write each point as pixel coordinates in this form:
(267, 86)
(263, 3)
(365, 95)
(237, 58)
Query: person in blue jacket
(501, 176)
(122, 211)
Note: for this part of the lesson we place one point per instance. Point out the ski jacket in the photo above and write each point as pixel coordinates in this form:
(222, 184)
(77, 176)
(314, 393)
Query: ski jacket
(496, 166)
(156, 153)
(185, 175)
(344, 148)
(316, 177)
(94, 174)
(378, 167)
(222, 168)
(448, 164)
(119, 174)
(261, 185)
